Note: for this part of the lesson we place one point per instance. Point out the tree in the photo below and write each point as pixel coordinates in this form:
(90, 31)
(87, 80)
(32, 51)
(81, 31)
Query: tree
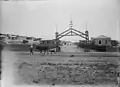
(114, 42)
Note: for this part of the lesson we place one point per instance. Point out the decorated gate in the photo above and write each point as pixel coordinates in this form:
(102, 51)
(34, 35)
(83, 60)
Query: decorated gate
(70, 32)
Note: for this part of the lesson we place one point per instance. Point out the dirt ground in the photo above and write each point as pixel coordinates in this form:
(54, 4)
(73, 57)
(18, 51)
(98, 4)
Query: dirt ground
(20, 68)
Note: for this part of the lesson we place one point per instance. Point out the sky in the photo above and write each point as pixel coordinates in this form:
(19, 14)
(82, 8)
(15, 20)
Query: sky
(42, 18)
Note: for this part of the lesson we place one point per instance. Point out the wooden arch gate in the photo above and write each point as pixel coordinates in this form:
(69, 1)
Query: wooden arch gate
(70, 32)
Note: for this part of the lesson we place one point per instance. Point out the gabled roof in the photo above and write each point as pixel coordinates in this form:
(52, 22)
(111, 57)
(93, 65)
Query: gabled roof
(101, 36)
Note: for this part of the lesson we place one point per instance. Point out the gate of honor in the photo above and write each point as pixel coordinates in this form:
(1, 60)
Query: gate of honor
(70, 32)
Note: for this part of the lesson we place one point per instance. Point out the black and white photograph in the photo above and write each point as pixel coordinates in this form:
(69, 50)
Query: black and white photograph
(61, 43)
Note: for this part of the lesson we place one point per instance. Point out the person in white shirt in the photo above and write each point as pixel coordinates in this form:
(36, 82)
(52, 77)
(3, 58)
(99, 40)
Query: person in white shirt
(31, 49)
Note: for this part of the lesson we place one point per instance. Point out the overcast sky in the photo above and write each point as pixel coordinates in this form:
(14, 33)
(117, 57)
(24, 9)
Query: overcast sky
(40, 18)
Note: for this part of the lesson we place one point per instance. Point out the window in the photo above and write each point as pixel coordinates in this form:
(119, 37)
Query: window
(99, 41)
(105, 41)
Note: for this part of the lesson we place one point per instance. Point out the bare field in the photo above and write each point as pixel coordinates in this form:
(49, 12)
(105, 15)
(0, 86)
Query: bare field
(59, 70)
(92, 69)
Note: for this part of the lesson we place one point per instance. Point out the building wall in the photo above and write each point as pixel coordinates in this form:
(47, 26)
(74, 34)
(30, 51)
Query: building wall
(102, 42)
(21, 38)
(47, 43)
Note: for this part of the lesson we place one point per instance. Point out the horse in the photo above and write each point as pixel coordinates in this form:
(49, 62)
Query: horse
(42, 49)
(52, 51)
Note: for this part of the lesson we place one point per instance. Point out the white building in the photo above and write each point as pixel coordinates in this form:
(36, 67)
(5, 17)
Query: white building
(101, 40)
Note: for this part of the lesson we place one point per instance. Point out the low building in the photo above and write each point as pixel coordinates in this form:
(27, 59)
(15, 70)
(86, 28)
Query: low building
(101, 40)
(47, 42)
(30, 38)
(37, 39)
(12, 37)
(21, 38)
(2, 37)
(50, 43)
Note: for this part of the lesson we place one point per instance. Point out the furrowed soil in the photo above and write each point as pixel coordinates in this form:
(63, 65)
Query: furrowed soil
(82, 69)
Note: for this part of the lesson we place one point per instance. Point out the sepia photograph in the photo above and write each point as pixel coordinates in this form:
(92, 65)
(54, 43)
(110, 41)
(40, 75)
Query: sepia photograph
(62, 43)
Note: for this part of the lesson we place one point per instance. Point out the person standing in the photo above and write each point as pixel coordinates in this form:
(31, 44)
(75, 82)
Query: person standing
(31, 49)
